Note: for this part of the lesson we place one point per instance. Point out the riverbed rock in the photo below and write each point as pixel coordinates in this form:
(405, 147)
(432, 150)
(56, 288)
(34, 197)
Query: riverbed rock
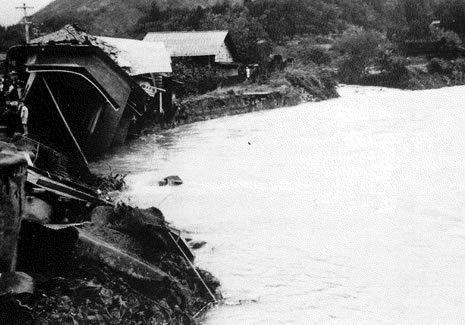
(197, 244)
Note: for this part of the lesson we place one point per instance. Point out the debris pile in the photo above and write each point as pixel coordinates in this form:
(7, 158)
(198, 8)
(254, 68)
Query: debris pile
(89, 293)
(78, 262)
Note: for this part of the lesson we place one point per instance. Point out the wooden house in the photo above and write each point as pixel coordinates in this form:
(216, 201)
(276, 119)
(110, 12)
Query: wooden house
(209, 48)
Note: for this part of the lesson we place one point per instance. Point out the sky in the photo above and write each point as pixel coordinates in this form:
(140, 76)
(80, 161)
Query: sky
(9, 15)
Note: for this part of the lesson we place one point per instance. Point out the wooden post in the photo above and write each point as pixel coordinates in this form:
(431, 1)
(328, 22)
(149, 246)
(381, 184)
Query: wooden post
(13, 168)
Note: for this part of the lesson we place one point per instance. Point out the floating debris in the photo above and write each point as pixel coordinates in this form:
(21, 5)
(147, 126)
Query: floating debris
(170, 180)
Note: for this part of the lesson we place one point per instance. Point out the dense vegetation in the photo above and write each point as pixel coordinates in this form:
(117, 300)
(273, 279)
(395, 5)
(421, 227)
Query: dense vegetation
(353, 37)
(10, 36)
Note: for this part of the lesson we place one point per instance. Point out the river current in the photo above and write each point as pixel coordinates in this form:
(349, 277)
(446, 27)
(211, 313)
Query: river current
(347, 211)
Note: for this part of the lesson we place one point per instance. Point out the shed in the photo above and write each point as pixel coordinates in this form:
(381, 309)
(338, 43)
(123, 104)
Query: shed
(207, 47)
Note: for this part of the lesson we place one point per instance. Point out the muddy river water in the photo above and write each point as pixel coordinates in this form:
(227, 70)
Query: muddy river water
(348, 211)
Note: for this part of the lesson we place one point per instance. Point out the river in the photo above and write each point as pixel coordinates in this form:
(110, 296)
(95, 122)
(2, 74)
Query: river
(347, 211)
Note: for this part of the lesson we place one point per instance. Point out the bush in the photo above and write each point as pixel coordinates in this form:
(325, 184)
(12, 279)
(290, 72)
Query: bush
(437, 65)
(314, 54)
(394, 64)
(197, 78)
(320, 83)
(445, 67)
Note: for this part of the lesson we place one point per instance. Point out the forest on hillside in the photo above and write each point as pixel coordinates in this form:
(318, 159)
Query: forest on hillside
(276, 20)
(364, 32)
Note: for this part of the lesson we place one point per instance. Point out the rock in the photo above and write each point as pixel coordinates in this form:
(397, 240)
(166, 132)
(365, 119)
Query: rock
(101, 215)
(170, 180)
(16, 283)
(64, 303)
(135, 219)
(197, 244)
(37, 210)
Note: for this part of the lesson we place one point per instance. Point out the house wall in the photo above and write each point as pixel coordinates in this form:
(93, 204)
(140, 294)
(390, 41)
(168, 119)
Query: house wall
(224, 55)
(227, 71)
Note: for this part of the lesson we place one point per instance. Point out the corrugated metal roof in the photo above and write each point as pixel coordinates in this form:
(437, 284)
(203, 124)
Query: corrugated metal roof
(190, 43)
(136, 57)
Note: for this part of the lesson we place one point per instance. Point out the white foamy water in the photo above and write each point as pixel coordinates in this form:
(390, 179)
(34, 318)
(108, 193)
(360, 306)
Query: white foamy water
(348, 211)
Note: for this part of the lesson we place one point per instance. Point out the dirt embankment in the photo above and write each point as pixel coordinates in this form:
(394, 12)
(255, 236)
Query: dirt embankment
(121, 265)
(293, 89)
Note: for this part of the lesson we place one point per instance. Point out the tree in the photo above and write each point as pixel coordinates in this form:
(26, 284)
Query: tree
(452, 15)
(418, 17)
(195, 18)
(11, 35)
(359, 48)
(359, 13)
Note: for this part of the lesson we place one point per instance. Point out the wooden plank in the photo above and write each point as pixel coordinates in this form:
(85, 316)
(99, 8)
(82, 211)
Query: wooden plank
(61, 189)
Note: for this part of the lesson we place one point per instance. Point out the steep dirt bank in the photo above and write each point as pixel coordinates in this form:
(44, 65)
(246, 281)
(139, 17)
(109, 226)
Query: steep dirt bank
(244, 98)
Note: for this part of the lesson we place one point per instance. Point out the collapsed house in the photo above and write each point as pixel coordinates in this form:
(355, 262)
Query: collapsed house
(82, 89)
(84, 95)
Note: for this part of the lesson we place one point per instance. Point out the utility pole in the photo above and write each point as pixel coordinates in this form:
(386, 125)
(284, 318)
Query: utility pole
(26, 22)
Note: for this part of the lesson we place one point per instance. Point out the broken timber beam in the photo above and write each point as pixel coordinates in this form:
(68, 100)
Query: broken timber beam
(90, 247)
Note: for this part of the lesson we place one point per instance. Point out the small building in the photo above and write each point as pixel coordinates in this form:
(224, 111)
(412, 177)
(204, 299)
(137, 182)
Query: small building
(209, 48)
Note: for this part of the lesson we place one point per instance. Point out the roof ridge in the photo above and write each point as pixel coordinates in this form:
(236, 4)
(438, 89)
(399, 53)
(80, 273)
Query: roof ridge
(187, 31)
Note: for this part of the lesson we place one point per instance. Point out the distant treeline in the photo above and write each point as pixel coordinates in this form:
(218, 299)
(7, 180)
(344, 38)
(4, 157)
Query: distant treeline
(10, 36)
(279, 20)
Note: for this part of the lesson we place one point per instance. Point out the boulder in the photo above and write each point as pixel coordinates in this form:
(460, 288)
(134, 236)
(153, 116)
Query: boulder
(197, 244)
(16, 283)
(37, 210)
(170, 180)
(102, 215)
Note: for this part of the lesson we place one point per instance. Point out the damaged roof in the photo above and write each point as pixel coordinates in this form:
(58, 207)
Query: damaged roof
(139, 56)
(134, 56)
(216, 43)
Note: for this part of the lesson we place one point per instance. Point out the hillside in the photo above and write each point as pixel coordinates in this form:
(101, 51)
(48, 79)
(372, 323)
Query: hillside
(106, 17)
